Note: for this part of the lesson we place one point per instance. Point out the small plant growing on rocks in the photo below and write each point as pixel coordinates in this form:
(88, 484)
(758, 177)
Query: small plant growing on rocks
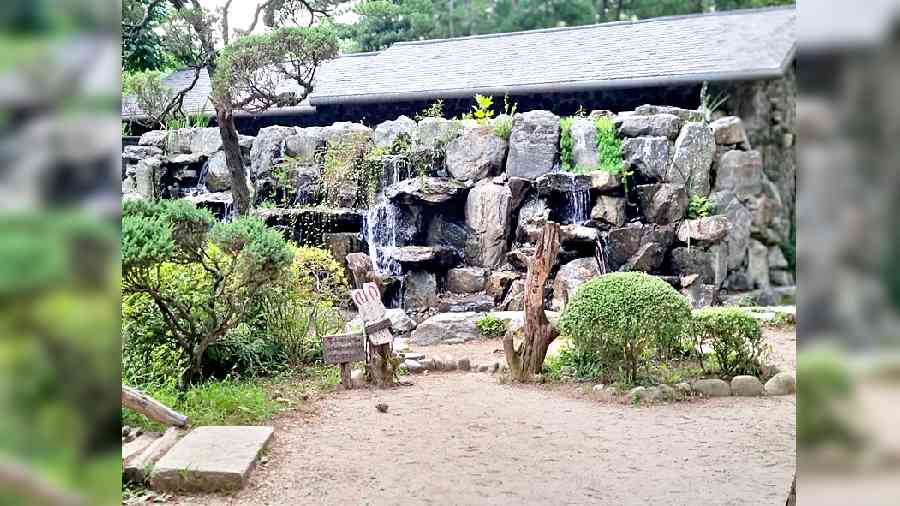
(699, 207)
(482, 111)
(609, 147)
(735, 337)
(435, 110)
(622, 316)
(491, 326)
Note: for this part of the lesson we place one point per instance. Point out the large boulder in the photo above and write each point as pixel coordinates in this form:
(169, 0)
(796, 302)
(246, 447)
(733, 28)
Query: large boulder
(446, 326)
(155, 138)
(710, 264)
(467, 280)
(268, 148)
(609, 211)
(345, 132)
(134, 154)
(421, 257)
(758, 264)
(708, 230)
(729, 131)
(147, 175)
(432, 133)
(400, 321)
(683, 114)
(389, 131)
(475, 154)
(570, 277)
(657, 125)
(584, 142)
(444, 232)
(425, 190)
(487, 215)
(304, 147)
(419, 290)
(218, 177)
(739, 217)
(663, 203)
(648, 156)
(740, 172)
(206, 141)
(180, 140)
(561, 182)
(695, 148)
(533, 144)
(603, 181)
(638, 247)
(533, 214)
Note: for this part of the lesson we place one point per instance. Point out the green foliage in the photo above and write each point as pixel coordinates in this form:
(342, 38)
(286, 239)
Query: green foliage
(199, 279)
(574, 363)
(699, 207)
(351, 172)
(827, 386)
(710, 104)
(735, 337)
(609, 146)
(482, 111)
(622, 316)
(503, 124)
(566, 143)
(435, 110)
(150, 94)
(144, 49)
(491, 326)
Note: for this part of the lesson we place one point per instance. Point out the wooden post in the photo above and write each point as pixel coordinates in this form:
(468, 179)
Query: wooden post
(380, 339)
(151, 408)
(345, 375)
(343, 349)
(528, 358)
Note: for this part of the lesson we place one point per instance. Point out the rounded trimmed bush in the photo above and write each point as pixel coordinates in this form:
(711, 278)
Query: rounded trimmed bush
(620, 315)
(735, 337)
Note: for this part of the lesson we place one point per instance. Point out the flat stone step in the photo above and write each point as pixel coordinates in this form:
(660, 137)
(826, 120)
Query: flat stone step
(211, 459)
(137, 466)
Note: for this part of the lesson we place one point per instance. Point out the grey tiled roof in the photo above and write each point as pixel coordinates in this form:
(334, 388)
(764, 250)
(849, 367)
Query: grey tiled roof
(748, 44)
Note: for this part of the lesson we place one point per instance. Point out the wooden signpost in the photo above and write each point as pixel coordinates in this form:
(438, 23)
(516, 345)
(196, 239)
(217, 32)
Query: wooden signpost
(377, 331)
(373, 344)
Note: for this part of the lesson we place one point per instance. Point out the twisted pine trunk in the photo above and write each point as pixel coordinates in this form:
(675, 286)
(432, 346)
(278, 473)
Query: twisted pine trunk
(241, 190)
(527, 359)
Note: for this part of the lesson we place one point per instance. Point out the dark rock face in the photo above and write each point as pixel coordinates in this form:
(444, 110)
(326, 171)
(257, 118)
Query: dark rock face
(561, 182)
(663, 203)
(422, 257)
(420, 290)
(533, 144)
(638, 246)
(427, 191)
(657, 125)
(709, 264)
(648, 156)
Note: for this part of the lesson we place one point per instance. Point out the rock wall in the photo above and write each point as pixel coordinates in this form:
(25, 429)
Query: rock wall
(454, 209)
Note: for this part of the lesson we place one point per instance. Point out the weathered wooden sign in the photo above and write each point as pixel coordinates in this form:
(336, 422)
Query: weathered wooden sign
(343, 348)
(371, 311)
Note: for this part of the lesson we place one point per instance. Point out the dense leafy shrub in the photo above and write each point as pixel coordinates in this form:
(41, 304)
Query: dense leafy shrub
(621, 316)
(609, 146)
(566, 143)
(827, 386)
(200, 276)
(503, 127)
(491, 326)
(574, 363)
(699, 207)
(735, 337)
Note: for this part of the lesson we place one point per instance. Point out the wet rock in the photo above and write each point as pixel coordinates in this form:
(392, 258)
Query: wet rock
(683, 114)
(420, 290)
(387, 132)
(782, 383)
(740, 172)
(467, 280)
(603, 181)
(711, 388)
(305, 146)
(663, 203)
(423, 257)
(584, 142)
(577, 235)
(475, 154)
(427, 190)
(487, 214)
(638, 246)
(729, 131)
(533, 144)
(442, 232)
(444, 326)
(657, 125)
(134, 154)
(694, 152)
(647, 156)
(561, 182)
(519, 188)
(609, 211)
(218, 177)
(570, 277)
(746, 386)
(700, 231)
(267, 148)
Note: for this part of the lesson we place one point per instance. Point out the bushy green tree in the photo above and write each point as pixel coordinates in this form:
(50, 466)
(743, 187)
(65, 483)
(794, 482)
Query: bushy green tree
(621, 316)
(735, 337)
(168, 243)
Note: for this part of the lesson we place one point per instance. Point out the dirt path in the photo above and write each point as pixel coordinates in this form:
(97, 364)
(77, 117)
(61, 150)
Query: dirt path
(459, 438)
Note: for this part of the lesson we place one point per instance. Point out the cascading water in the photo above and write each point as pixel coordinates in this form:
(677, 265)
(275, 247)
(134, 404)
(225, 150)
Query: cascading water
(381, 225)
(576, 204)
(200, 187)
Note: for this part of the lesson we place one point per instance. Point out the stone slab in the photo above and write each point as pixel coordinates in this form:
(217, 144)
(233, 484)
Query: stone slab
(137, 467)
(211, 459)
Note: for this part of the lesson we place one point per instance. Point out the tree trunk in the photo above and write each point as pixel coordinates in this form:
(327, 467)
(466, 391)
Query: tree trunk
(792, 496)
(241, 188)
(381, 370)
(528, 359)
(151, 408)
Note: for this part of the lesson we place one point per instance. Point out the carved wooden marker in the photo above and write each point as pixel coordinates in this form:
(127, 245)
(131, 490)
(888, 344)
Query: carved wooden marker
(343, 349)
(377, 329)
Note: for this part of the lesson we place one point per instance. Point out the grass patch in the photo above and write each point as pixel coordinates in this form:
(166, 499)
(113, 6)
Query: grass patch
(233, 402)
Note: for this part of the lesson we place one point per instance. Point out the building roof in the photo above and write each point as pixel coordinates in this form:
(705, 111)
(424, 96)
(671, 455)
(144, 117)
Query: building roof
(732, 45)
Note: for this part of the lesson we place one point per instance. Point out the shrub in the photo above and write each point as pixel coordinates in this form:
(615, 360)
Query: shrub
(201, 277)
(574, 363)
(620, 316)
(699, 207)
(827, 385)
(609, 146)
(435, 110)
(735, 337)
(503, 127)
(566, 143)
(491, 326)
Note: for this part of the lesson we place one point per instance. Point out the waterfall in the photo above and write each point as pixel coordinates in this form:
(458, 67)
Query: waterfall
(601, 255)
(381, 224)
(577, 205)
(200, 187)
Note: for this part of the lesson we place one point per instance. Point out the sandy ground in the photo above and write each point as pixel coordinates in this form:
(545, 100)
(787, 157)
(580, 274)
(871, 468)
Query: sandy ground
(466, 439)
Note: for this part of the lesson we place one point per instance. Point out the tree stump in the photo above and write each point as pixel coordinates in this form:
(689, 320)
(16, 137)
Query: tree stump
(527, 359)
